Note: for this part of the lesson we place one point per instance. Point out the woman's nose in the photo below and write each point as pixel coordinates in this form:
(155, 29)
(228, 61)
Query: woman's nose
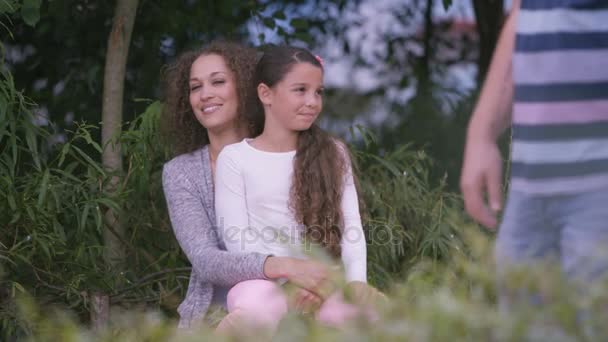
(205, 93)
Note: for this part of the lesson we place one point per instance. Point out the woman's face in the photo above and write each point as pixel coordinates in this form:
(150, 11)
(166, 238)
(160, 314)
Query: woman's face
(213, 94)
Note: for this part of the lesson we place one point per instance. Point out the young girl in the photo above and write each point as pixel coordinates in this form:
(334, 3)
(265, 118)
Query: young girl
(293, 183)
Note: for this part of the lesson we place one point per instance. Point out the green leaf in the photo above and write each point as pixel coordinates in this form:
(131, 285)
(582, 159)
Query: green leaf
(109, 204)
(67, 174)
(3, 107)
(11, 202)
(78, 253)
(30, 213)
(23, 258)
(303, 37)
(8, 6)
(69, 169)
(43, 188)
(30, 138)
(368, 136)
(86, 134)
(98, 218)
(447, 4)
(8, 260)
(17, 286)
(299, 23)
(85, 215)
(16, 217)
(279, 15)
(388, 165)
(13, 144)
(58, 228)
(269, 22)
(89, 160)
(64, 150)
(45, 248)
(281, 32)
(30, 11)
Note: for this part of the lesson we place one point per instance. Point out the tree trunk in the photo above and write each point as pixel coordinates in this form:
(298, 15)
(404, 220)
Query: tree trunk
(424, 66)
(111, 116)
(421, 103)
(100, 310)
(489, 16)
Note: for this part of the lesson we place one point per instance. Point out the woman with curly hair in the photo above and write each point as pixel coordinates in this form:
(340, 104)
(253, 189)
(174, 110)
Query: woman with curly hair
(287, 188)
(207, 93)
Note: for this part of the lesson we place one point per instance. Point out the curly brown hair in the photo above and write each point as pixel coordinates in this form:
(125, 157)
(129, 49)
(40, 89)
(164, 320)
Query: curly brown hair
(321, 160)
(179, 127)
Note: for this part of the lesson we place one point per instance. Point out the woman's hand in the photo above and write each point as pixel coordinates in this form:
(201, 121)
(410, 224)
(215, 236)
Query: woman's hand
(307, 274)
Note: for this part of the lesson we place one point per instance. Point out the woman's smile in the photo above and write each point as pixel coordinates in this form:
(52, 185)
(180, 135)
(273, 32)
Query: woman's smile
(211, 108)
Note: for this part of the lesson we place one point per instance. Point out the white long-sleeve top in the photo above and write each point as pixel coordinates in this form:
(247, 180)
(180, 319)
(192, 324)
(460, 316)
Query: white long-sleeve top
(252, 208)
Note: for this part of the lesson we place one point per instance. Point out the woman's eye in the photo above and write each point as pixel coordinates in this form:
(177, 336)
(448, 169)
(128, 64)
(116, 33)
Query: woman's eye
(300, 89)
(320, 91)
(194, 87)
(218, 82)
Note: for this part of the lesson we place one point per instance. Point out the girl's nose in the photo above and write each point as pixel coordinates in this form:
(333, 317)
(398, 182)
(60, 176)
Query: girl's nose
(312, 100)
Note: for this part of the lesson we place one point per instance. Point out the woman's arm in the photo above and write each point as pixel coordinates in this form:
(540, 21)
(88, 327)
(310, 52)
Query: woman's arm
(199, 240)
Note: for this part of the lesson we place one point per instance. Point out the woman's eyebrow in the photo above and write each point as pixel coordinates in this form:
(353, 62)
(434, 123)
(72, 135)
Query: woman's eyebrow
(215, 73)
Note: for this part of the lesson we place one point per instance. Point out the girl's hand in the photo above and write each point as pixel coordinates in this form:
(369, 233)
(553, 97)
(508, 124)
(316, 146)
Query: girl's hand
(305, 302)
(312, 276)
(363, 294)
(307, 274)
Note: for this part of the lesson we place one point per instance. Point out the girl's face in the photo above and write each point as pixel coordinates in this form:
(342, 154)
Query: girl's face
(296, 101)
(213, 94)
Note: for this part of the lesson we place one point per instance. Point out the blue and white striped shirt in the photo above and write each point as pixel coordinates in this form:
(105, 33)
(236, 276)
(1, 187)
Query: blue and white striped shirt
(560, 114)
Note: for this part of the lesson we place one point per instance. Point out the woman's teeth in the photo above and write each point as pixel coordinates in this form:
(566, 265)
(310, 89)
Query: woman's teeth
(211, 109)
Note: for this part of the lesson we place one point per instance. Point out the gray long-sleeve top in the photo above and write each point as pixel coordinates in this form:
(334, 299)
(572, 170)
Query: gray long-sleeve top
(188, 187)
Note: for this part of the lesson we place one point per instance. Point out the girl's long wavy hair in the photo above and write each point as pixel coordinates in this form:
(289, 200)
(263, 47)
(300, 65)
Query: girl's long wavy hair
(321, 161)
(179, 126)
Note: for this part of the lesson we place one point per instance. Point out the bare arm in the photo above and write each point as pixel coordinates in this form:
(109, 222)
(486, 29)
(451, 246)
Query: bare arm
(492, 114)
(482, 166)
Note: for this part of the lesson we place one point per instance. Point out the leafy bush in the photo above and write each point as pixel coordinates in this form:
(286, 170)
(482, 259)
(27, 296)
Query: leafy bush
(410, 220)
(453, 301)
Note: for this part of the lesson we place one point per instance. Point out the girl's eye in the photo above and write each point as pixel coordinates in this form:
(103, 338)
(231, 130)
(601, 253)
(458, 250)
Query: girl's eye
(320, 91)
(301, 89)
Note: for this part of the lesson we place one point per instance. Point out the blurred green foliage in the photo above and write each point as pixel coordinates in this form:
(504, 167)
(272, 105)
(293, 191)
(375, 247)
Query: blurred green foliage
(453, 301)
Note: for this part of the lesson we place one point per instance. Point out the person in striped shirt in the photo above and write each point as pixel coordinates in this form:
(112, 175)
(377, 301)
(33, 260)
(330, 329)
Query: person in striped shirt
(551, 65)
